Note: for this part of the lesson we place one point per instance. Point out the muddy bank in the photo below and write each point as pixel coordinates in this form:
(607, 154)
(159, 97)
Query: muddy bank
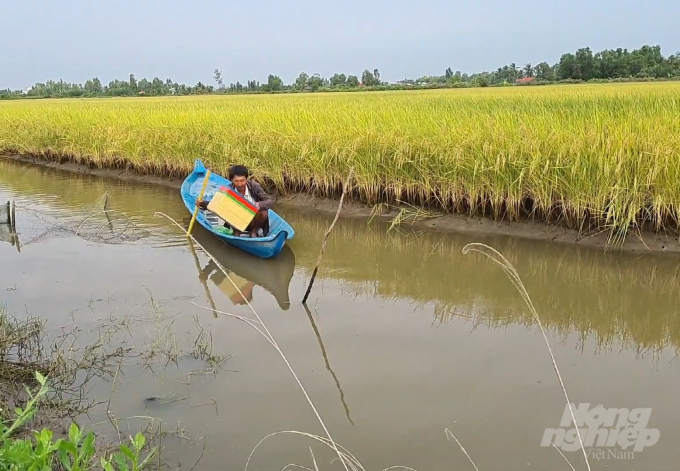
(644, 242)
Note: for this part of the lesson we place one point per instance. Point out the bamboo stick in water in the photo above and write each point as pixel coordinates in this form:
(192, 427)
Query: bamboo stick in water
(325, 237)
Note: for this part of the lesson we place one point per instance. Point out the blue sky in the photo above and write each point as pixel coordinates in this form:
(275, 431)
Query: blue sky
(186, 40)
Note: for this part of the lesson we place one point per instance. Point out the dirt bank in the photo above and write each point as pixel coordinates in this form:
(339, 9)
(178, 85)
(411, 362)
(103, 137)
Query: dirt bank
(641, 243)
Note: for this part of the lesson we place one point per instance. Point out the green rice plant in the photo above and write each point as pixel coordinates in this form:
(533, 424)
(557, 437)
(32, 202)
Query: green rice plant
(592, 157)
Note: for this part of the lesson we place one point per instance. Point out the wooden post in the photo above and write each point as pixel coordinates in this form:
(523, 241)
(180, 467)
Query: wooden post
(200, 197)
(325, 237)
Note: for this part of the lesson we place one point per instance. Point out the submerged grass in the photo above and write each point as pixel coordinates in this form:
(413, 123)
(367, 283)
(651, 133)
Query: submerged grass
(595, 157)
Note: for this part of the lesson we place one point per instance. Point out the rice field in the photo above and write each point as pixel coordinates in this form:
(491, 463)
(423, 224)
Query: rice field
(594, 157)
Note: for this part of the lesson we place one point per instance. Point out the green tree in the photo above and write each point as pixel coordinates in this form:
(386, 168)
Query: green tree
(274, 83)
(93, 87)
(367, 78)
(567, 67)
(301, 81)
(585, 64)
(316, 82)
(482, 81)
(338, 80)
(544, 72)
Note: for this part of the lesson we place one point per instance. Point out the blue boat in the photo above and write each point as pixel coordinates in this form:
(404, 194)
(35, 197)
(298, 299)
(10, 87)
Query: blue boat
(263, 247)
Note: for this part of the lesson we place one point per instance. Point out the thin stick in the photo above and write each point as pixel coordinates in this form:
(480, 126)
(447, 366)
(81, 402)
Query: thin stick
(108, 406)
(448, 433)
(205, 440)
(200, 197)
(565, 458)
(325, 237)
(160, 442)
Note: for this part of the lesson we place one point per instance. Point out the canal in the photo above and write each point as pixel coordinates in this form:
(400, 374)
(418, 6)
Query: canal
(405, 336)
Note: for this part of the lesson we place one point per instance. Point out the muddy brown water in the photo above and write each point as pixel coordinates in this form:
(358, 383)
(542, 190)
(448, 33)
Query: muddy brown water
(407, 336)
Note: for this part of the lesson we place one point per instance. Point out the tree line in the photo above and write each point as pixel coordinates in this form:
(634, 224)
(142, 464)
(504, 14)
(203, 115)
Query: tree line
(646, 63)
(609, 65)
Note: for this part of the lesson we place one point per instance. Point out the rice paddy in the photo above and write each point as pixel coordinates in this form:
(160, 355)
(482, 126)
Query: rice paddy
(593, 157)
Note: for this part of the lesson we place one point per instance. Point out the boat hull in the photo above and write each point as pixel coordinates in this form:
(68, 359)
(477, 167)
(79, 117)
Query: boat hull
(264, 247)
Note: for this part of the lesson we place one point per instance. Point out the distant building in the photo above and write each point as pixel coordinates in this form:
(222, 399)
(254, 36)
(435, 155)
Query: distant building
(525, 80)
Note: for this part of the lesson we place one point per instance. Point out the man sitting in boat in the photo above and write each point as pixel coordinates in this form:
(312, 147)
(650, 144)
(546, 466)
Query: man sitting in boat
(253, 192)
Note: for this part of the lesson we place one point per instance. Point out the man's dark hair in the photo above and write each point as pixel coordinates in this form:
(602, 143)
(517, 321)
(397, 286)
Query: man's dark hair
(238, 171)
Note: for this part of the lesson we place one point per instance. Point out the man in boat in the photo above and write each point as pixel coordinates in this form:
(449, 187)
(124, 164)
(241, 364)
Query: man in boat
(253, 192)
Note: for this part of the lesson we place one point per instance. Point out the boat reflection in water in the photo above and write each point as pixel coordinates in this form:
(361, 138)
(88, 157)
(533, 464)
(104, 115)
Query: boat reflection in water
(245, 270)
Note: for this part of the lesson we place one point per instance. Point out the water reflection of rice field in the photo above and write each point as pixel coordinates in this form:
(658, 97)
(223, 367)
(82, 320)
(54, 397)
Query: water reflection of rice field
(612, 296)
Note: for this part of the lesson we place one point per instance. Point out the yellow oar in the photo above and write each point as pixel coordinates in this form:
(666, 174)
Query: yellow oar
(200, 197)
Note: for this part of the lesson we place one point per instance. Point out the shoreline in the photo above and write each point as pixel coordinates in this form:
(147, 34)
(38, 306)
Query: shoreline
(646, 242)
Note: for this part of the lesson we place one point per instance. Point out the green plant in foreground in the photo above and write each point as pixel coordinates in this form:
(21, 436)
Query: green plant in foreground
(23, 454)
(70, 456)
(75, 453)
(129, 459)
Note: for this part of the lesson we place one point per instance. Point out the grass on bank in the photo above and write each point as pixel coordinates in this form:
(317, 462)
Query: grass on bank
(596, 157)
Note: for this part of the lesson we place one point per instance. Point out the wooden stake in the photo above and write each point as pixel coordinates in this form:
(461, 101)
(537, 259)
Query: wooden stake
(200, 197)
(325, 237)
(9, 215)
